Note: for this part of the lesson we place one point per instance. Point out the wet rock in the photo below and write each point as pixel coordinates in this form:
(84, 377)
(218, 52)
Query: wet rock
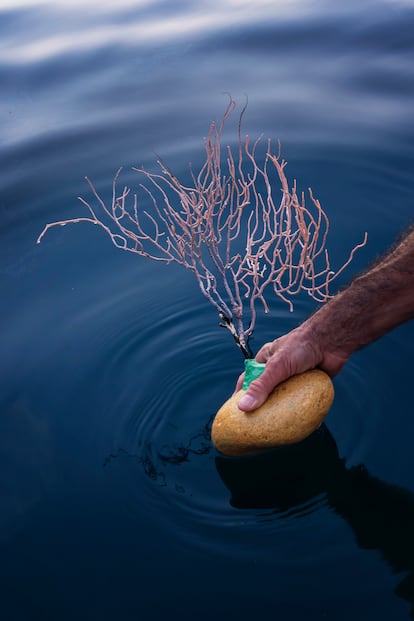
(292, 412)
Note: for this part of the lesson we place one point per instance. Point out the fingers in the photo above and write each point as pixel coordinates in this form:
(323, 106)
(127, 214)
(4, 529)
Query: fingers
(284, 357)
(262, 356)
(260, 388)
(268, 350)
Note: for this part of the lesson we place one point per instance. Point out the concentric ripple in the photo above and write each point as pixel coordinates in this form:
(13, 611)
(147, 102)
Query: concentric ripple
(158, 429)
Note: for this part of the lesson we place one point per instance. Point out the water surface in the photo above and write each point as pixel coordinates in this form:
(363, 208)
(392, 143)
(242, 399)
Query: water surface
(114, 503)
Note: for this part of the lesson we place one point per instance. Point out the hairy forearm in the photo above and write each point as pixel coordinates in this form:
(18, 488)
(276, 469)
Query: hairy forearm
(375, 303)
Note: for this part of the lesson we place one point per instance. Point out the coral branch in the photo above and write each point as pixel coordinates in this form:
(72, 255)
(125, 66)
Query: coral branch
(230, 226)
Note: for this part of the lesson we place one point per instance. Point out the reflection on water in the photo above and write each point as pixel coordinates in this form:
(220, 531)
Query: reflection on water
(198, 444)
(287, 479)
(292, 482)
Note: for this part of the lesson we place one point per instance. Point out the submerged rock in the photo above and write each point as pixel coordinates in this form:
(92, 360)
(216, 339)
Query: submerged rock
(292, 412)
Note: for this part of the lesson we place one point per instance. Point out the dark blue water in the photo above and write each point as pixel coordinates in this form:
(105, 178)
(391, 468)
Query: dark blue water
(114, 505)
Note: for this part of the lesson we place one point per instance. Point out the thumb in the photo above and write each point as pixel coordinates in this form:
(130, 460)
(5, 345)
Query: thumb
(260, 388)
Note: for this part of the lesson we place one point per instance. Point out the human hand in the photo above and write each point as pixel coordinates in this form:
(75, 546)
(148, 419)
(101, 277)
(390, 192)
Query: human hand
(300, 350)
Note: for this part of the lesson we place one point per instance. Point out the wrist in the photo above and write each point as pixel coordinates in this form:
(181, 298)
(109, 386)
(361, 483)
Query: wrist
(330, 329)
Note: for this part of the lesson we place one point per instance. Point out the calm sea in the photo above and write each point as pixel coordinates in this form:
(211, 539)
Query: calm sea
(113, 502)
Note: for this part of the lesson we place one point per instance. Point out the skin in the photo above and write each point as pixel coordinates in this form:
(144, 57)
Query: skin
(373, 304)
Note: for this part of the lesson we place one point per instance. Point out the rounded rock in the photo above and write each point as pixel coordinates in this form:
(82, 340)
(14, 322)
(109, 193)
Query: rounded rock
(293, 410)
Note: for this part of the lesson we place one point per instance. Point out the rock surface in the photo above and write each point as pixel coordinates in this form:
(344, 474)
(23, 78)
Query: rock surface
(292, 412)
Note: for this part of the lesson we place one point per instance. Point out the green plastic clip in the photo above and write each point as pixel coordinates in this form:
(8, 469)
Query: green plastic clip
(253, 370)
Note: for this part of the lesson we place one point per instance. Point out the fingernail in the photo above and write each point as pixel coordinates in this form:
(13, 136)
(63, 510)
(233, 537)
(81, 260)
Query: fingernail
(247, 401)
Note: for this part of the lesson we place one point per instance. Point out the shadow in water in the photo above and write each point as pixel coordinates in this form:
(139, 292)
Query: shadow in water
(381, 515)
(172, 455)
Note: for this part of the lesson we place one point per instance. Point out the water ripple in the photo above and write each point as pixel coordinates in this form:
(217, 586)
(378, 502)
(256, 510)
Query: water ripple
(163, 437)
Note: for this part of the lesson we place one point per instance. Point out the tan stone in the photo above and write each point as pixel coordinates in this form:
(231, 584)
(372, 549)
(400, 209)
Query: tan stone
(292, 412)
